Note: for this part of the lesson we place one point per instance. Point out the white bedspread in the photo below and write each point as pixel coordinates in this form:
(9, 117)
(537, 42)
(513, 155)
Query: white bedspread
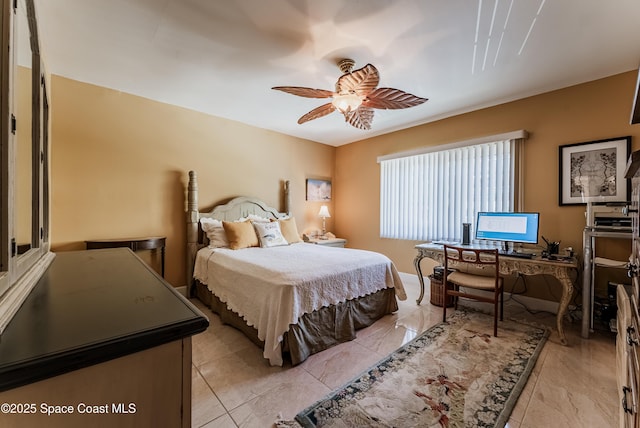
(273, 287)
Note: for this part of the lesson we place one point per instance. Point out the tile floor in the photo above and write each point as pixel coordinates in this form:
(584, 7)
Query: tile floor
(233, 386)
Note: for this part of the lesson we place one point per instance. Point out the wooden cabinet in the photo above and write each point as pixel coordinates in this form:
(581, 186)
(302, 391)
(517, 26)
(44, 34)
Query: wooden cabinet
(148, 388)
(628, 317)
(103, 338)
(627, 359)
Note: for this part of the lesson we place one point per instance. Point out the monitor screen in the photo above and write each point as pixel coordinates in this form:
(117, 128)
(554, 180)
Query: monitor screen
(513, 227)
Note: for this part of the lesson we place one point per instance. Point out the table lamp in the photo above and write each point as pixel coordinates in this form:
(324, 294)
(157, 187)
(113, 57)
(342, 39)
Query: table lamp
(324, 213)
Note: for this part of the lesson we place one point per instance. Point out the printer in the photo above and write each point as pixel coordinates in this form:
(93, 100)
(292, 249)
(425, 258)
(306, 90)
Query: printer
(608, 216)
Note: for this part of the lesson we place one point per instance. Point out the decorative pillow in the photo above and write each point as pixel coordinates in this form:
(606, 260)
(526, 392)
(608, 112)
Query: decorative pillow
(269, 234)
(240, 234)
(215, 232)
(289, 230)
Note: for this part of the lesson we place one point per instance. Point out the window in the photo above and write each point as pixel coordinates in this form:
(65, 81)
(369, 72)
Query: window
(428, 194)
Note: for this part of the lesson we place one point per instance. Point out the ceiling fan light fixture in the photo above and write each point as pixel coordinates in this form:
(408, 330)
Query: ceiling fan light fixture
(346, 102)
(356, 96)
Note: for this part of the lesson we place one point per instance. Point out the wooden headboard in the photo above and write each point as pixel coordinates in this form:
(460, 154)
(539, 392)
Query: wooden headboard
(235, 209)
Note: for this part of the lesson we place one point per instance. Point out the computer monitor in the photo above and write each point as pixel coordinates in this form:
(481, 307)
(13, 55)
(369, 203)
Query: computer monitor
(508, 227)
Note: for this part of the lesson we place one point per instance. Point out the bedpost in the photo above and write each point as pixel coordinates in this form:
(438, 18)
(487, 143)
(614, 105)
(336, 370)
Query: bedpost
(192, 227)
(287, 200)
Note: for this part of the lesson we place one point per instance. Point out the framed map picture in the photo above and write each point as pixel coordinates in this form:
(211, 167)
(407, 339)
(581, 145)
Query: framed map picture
(594, 171)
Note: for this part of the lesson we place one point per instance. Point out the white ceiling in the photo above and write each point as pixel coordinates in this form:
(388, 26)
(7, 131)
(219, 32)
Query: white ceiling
(222, 57)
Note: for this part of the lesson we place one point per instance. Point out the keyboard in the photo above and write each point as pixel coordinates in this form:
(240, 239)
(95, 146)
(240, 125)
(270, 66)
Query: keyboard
(454, 243)
(516, 254)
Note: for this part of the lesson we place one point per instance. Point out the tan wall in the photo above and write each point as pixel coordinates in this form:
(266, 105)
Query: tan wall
(587, 112)
(120, 162)
(119, 168)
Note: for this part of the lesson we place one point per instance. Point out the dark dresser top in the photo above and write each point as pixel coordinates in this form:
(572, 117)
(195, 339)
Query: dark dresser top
(90, 307)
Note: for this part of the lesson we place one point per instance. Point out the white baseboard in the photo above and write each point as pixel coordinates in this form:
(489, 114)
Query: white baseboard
(182, 290)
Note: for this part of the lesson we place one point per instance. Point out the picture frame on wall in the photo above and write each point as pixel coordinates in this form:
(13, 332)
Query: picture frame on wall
(594, 171)
(318, 190)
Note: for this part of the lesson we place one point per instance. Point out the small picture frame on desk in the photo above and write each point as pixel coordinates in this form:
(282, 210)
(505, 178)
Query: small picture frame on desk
(594, 171)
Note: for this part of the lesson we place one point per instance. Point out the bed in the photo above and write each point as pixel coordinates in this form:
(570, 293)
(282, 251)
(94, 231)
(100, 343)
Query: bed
(293, 299)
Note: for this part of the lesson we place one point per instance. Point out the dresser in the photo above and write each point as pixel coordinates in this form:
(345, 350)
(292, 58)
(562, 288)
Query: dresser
(628, 317)
(101, 341)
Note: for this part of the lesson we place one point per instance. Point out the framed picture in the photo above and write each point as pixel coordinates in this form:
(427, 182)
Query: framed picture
(594, 171)
(318, 190)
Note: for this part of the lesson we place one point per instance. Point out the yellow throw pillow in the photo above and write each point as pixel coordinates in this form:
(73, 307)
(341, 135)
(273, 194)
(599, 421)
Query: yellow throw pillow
(240, 234)
(290, 230)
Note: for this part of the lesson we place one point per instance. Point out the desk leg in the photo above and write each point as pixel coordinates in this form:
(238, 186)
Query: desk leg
(567, 293)
(416, 263)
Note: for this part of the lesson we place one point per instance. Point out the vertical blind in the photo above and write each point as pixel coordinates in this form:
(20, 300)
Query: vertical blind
(428, 196)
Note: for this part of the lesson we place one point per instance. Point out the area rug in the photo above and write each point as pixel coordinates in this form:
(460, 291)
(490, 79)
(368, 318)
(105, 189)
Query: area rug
(456, 374)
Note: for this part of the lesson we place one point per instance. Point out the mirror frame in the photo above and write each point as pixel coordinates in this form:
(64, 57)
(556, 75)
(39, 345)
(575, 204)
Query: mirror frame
(635, 109)
(19, 274)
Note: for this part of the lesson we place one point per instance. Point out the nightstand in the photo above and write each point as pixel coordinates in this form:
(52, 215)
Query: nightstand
(333, 242)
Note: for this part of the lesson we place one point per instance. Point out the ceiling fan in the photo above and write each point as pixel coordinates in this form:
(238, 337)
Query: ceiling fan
(356, 96)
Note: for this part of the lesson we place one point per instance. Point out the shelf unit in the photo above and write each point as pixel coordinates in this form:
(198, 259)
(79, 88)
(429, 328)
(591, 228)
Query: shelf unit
(589, 238)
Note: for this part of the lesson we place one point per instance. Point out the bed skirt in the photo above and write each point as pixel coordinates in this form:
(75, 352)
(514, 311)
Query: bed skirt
(315, 331)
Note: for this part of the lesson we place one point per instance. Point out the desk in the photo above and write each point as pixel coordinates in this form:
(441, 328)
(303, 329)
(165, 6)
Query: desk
(511, 266)
(135, 244)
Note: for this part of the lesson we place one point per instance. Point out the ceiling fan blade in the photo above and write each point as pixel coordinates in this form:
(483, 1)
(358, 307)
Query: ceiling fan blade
(361, 81)
(323, 110)
(360, 118)
(304, 92)
(390, 98)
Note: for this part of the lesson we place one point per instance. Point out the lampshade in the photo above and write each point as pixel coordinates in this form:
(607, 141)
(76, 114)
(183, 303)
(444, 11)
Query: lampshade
(346, 102)
(324, 212)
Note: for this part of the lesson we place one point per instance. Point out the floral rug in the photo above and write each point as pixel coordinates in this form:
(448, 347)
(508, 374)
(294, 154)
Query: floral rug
(456, 374)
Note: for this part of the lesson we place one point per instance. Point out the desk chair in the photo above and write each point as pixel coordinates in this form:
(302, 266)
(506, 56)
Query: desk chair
(487, 264)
